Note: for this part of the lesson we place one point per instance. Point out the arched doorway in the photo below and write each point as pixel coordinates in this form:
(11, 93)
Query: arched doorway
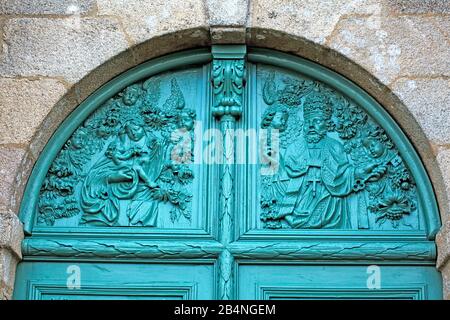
(227, 174)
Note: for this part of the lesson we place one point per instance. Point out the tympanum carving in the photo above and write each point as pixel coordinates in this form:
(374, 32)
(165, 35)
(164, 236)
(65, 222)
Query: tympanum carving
(335, 167)
(124, 162)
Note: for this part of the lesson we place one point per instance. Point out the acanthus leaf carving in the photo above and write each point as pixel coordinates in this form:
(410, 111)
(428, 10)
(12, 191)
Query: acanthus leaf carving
(228, 81)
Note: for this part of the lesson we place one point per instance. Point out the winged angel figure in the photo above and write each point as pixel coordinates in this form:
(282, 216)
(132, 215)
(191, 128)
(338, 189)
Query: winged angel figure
(125, 166)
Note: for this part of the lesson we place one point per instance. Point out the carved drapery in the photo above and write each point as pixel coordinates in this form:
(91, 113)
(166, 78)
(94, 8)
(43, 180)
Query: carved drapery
(337, 168)
(124, 161)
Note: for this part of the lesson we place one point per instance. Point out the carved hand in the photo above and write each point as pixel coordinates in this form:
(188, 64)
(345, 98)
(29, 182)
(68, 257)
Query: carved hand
(120, 176)
(377, 173)
(372, 172)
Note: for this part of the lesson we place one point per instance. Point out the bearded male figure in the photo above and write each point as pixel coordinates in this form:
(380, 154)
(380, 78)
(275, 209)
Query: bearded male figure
(317, 176)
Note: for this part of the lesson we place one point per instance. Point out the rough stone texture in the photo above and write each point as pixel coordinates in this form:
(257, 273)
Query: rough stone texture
(443, 158)
(11, 233)
(38, 7)
(443, 262)
(442, 23)
(20, 181)
(227, 35)
(419, 6)
(144, 19)
(443, 244)
(227, 13)
(23, 105)
(8, 263)
(445, 271)
(392, 47)
(10, 161)
(310, 19)
(429, 101)
(69, 47)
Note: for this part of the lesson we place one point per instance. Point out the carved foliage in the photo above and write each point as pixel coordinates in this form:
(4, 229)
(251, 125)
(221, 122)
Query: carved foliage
(228, 81)
(331, 154)
(124, 162)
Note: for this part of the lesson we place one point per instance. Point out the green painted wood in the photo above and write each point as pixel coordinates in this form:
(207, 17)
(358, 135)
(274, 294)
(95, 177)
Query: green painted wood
(114, 197)
(103, 281)
(372, 108)
(74, 120)
(336, 282)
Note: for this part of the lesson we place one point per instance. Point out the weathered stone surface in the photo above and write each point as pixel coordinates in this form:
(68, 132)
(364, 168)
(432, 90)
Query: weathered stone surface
(392, 47)
(309, 19)
(37, 7)
(418, 6)
(446, 281)
(227, 35)
(143, 20)
(227, 13)
(443, 244)
(442, 23)
(8, 263)
(429, 101)
(23, 105)
(11, 232)
(21, 178)
(443, 159)
(68, 48)
(10, 161)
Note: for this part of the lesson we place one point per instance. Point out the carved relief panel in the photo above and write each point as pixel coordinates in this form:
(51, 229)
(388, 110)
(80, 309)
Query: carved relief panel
(162, 172)
(326, 164)
(131, 162)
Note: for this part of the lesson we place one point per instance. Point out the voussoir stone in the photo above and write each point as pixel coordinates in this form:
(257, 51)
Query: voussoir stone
(393, 46)
(429, 102)
(10, 162)
(143, 20)
(37, 7)
(23, 105)
(443, 159)
(59, 47)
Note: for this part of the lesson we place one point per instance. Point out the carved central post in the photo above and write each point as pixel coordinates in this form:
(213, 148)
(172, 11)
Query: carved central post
(228, 81)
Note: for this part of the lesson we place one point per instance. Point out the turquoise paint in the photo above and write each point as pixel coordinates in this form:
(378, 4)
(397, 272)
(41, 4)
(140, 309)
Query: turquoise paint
(226, 246)
(73, 121)
(375, 110)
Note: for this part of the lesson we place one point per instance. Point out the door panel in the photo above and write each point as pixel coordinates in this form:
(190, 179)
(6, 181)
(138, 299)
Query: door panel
(337, 282)
(44, 281)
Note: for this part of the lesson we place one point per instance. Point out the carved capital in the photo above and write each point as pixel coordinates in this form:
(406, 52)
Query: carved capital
(228, 80)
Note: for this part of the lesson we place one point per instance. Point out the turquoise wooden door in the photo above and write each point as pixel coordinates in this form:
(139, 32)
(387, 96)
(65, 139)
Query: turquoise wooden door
(229, 174)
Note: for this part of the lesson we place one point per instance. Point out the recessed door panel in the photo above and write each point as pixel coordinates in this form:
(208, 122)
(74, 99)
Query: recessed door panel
(116, 281)
(271, 282)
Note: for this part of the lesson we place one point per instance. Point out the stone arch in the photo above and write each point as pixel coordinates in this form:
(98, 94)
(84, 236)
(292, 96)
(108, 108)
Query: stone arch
(254, 37)
(157, 62)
